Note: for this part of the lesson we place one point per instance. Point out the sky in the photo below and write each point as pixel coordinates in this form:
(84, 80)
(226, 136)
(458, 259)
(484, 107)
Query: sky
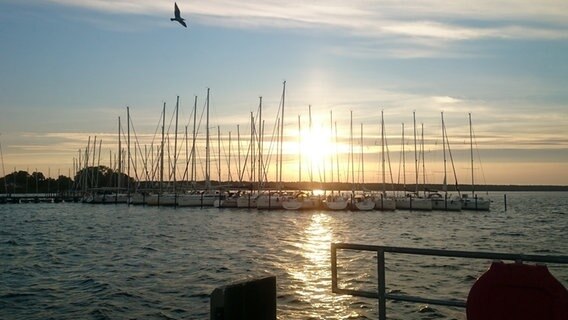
(71, 68)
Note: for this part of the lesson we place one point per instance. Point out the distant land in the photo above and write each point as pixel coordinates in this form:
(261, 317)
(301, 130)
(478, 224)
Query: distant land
(379, 187)
(23, 182)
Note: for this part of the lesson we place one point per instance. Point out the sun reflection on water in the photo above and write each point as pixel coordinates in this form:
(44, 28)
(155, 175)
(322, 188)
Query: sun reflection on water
(313, 273)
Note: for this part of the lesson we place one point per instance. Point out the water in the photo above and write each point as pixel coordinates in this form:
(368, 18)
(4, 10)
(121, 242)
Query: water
(76, 261)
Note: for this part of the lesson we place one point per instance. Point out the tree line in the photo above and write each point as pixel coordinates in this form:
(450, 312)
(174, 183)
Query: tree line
(86, 178)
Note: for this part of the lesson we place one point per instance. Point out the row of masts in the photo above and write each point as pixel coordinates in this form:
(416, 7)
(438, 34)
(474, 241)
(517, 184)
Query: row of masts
(257, 159)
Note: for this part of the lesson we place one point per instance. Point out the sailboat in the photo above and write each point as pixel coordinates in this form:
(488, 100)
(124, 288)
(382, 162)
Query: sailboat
(446, 201)
(382, 202)
(271, 199)
(362, 202)
(207, 197)
(412, 201)
(300, 200)
(336, 201)
(475, 202)
(248, 199)
(162, 198)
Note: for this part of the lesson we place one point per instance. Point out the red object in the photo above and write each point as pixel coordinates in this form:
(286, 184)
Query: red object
(517, 291)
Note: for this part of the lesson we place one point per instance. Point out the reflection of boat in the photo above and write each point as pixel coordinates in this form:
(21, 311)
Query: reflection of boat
(475, 202)
(336, 202)
(301, 201)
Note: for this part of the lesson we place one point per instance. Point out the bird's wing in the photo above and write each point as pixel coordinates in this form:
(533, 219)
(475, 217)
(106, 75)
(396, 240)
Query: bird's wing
(176, 11)
(182, 23)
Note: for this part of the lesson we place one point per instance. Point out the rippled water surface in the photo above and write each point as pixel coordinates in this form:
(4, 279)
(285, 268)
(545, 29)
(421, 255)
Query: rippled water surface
(77, 261)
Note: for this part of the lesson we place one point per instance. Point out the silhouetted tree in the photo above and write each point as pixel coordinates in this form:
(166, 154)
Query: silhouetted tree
(100, 177)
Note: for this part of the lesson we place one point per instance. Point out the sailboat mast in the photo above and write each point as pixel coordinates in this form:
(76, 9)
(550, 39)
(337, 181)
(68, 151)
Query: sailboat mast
(444, 153)
(415, 153)
(282, 131)
(128, 155)
(252, 149)
(310, 134)
(207, 149)
(239, 168)
(186, 138)
(299, 148)
(351, 153)
(162, 148)
(423, 161)
(260, 140)
(118, 180)
(337, 153)
(175, 145)
(98, 163)
(229, 176)
(403, 161)
(331, 135)
(471, 155)
(362, 173)
(383, 152)
(193, 161)
(219, 152)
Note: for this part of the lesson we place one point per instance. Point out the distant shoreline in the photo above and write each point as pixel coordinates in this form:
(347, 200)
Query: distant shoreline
(377, 187)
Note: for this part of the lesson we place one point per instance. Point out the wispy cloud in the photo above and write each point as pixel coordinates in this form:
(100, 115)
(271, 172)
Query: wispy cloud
(416, 19)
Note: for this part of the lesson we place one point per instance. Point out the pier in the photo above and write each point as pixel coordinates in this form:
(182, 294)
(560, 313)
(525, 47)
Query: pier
(40, 198)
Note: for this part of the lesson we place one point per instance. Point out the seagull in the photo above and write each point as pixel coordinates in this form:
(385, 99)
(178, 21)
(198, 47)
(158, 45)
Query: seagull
(177, 15)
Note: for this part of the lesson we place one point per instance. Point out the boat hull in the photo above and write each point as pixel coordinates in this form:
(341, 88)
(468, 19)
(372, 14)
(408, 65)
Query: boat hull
(412, 203)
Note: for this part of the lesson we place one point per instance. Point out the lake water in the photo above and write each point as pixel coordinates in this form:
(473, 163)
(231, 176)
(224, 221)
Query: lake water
(77, 261)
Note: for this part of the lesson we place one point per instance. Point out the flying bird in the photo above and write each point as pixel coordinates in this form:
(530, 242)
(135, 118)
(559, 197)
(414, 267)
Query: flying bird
(177, 16)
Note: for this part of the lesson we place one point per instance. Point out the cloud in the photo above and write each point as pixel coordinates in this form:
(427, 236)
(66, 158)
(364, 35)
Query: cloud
(445, 100)
(451, 21)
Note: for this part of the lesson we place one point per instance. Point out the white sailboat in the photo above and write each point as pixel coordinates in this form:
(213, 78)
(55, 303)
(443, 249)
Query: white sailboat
(382, 201)
(412, 201)
(362, 202)
(207, 197)
(446, 202)
(475, 202)
(271, 199)
(301, 201)
(248, 199)
(161, 198)
(336, 201)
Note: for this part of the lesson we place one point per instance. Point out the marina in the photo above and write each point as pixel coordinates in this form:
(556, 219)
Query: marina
(116, 261)
(265, 160)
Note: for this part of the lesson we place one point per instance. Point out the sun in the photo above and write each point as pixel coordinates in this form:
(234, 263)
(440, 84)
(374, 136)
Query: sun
(315, 150)
(312, 152)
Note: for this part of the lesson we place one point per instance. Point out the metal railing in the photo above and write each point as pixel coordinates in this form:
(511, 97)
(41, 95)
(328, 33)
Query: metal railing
(381, 293)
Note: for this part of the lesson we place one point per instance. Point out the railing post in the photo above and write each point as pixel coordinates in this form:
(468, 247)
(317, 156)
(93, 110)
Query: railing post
(382, 285)
(333, 268)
